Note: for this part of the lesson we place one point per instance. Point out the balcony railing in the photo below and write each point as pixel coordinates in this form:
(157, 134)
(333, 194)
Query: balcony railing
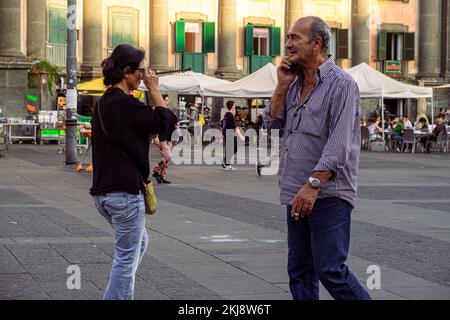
(56, 54)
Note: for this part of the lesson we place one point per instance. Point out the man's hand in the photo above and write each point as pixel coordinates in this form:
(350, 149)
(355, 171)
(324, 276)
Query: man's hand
(303, 202)
(286, 72)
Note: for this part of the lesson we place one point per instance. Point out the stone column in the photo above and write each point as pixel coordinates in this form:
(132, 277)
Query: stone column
(429, 44)
(36, 28)
(13, 28)
(92, 39)
(13, 64)
(360, 32)
(227, 41)
(159, 33)
(447, 72)
(294, 11)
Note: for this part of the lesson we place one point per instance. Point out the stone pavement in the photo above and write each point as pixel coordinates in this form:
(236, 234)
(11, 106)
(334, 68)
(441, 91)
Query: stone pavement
(218, 235)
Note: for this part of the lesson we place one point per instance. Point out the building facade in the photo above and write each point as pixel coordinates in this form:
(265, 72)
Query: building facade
(406, 39)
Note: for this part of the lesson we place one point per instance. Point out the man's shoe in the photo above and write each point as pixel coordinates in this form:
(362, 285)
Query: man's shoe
(229, 168)
(164, 180)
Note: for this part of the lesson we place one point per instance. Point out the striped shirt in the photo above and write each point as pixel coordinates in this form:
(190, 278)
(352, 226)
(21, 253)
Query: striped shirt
(321, 134)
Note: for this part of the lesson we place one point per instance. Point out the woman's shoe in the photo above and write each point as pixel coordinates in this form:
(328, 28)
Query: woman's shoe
(157, 176)
(164, 180)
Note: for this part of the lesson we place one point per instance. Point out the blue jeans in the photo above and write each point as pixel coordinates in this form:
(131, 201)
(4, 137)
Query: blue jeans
(126, 214)
(318, 248)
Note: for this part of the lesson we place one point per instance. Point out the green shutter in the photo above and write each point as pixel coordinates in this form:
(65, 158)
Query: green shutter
(128, 30)
(342, 44)
(194, 60)
(382, 45)
(57, 25)
(117, 35)
(180, 40)
(209, 37)
(62, 23)
(53, 26)
(275, 40)
(408, 46)
(257, 62)
(123, 27)
(249, 40)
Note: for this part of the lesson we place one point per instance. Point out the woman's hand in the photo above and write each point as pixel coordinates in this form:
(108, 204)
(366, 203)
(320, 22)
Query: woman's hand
(151, 80)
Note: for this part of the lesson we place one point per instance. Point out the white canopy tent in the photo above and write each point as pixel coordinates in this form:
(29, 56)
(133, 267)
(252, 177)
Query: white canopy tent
(187, 83)
(374, 84)
(445, 86)
(259, 84)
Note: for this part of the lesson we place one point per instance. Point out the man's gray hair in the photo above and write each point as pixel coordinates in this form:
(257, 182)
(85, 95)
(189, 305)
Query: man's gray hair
(319, 28)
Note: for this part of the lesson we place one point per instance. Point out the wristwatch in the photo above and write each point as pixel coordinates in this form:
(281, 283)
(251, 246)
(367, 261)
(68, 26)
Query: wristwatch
(314, 182)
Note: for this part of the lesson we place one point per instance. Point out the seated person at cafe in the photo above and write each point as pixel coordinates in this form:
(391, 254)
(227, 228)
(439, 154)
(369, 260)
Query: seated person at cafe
(440, 126)
(373, 125)
(407, 122)
(422, 124)
(397, 130)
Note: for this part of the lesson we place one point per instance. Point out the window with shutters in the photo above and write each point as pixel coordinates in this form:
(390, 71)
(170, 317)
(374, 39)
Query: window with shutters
(193, 40)
(396, 46)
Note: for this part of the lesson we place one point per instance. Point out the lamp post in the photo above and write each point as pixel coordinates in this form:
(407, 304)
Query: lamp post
(71, 93)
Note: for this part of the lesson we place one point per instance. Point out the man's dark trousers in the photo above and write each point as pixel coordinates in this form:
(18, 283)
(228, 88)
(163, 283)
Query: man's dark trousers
(318, 248)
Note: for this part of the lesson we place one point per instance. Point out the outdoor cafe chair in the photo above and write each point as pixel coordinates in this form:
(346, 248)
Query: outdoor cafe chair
(365, 138)
(441, 141)
(409, 139)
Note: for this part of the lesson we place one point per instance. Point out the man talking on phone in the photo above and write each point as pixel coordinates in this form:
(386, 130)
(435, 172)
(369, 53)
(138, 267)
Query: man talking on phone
(317, 104)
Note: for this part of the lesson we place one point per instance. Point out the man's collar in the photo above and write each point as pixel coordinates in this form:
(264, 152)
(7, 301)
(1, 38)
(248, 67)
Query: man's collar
(325, 68)
(322, 72)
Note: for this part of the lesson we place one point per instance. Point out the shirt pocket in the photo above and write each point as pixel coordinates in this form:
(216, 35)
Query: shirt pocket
(312, 123)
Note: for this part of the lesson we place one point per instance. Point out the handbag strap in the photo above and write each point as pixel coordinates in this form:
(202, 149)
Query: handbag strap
(114, 144)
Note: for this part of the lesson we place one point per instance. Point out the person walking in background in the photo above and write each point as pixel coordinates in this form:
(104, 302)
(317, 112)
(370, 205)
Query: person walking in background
(194, 126)
(319, 165)
(164, 144)
(230, 134)
(259, 124)
(120, 145)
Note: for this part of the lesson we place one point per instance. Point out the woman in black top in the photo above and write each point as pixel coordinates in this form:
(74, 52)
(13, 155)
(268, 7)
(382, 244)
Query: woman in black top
(120, 143)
